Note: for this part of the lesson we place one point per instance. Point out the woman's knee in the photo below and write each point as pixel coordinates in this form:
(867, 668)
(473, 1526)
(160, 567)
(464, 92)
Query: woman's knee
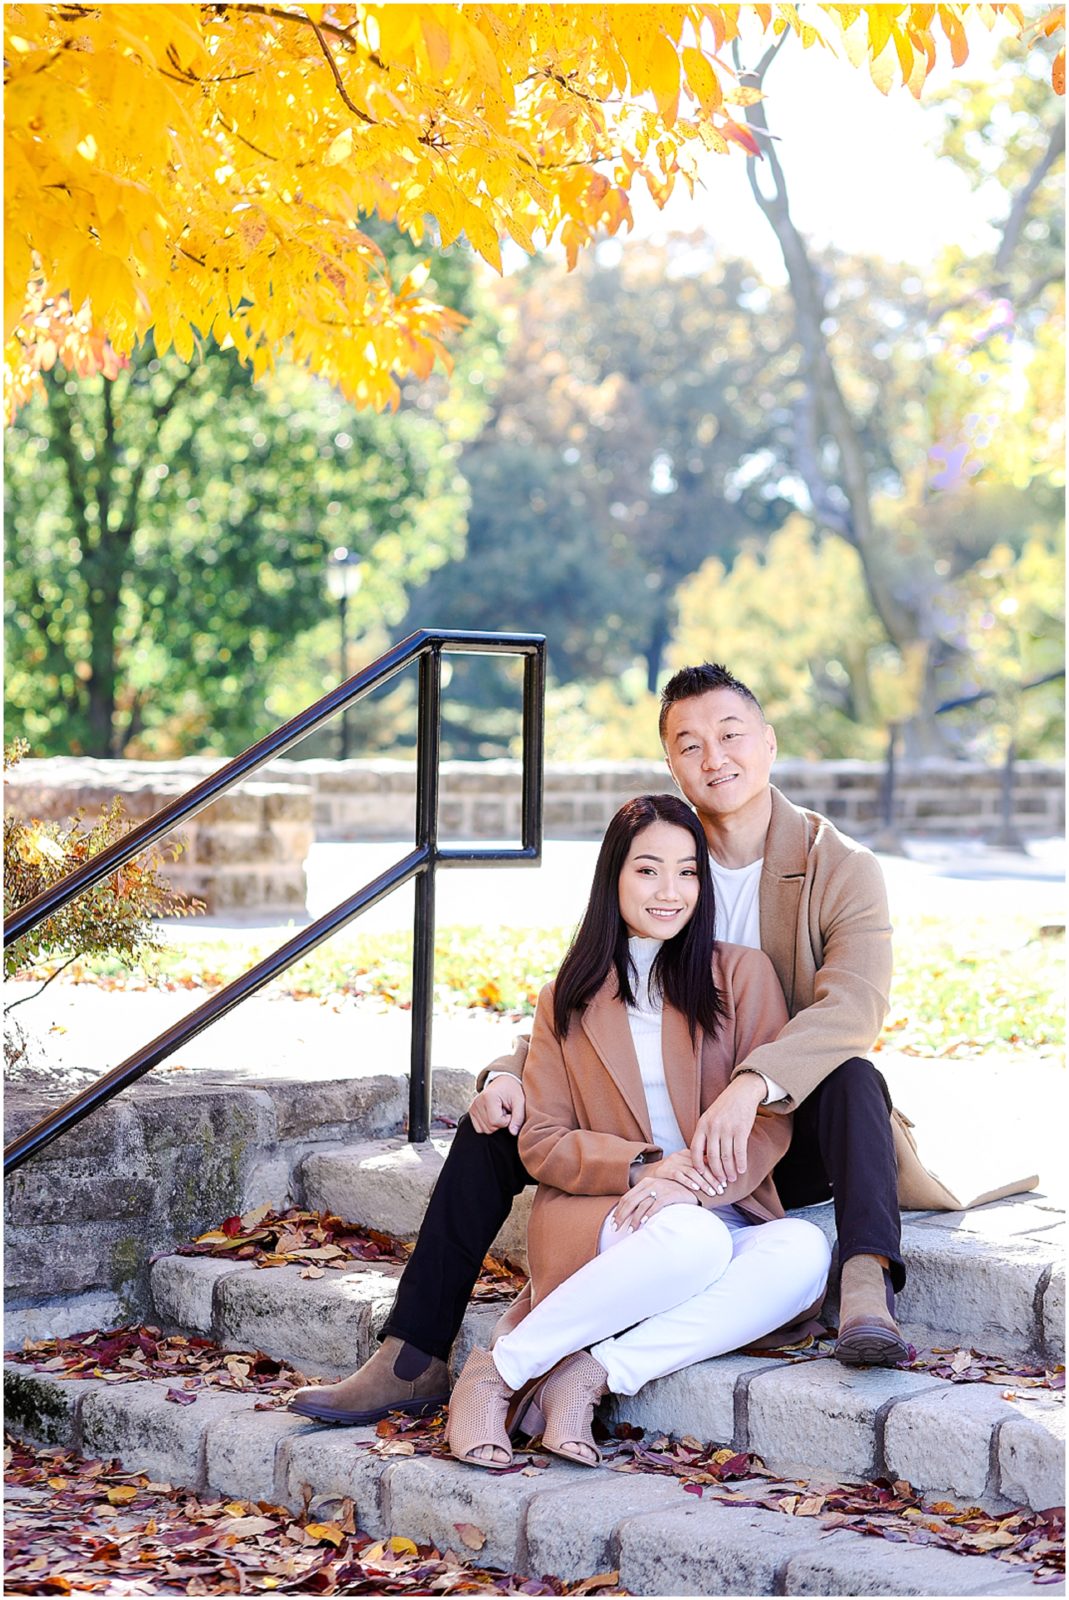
(802, 1243)
(694, 1241)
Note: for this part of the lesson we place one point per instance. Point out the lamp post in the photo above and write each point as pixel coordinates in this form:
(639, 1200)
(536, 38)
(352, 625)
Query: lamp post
(344, 577)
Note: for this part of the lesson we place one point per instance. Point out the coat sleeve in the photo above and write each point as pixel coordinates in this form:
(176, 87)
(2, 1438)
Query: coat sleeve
(851, 990)
(760, 1011)
(514, 1062)
(759, 1015)
(554, 1147)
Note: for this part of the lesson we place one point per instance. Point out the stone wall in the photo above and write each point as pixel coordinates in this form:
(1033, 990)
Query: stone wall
(245, 852)
(158, 1165)
(376, 799)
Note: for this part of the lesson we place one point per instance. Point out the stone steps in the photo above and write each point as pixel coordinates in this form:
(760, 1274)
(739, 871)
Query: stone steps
(991, 1279)
(553, 1519)
(815, 1416)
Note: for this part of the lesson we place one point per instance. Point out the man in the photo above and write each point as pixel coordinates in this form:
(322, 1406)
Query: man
(789, 883)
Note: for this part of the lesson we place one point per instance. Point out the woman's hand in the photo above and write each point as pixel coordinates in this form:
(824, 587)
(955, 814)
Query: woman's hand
(680, 1168)
(649, 1196)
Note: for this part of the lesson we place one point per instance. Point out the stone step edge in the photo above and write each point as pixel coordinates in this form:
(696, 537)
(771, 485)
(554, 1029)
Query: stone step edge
(541, 1525)
(964, 1439)
(1025, 1281)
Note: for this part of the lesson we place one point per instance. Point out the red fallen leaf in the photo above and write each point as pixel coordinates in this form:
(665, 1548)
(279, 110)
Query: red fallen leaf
(694, 1488)
(181, 1397)
(232, 1226)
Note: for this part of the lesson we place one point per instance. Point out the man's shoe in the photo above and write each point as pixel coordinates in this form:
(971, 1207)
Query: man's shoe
(868, 1334)
(398, 1377)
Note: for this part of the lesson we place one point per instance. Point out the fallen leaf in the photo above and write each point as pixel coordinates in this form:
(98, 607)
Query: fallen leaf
(471, 1536)
(329, 1532)
(600, 1580)
(122, 1494)
(180, 1397)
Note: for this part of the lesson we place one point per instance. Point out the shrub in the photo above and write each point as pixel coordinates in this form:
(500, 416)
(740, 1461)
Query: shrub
(114, 917)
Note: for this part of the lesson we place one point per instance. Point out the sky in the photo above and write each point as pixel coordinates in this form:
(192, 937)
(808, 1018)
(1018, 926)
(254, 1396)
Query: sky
(860, 167)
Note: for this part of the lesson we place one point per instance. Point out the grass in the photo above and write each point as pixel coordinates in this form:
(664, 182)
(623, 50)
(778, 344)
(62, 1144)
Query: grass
(993, 987)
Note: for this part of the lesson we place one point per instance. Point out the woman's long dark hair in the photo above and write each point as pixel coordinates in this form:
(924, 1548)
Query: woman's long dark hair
(683, 965)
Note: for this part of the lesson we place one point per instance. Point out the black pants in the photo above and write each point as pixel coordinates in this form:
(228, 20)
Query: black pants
(841, 1148)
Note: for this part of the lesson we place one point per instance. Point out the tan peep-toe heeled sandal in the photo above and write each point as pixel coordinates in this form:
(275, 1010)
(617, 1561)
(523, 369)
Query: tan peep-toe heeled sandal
(478, 1408)
(567, 1399)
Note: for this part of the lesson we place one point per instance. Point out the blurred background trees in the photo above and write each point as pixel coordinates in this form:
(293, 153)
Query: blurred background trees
(845, 479)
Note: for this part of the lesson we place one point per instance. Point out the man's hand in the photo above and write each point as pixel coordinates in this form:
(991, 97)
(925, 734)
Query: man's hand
(679, 1168)
(718, 1147)
(499, 1105)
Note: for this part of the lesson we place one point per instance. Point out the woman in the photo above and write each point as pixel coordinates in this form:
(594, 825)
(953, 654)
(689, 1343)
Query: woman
(637, 1266)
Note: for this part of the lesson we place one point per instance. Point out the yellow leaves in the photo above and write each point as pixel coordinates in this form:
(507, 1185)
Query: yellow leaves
(340, 148)
(664, 77)
(36, 847)
(189, 166)
(702, 80)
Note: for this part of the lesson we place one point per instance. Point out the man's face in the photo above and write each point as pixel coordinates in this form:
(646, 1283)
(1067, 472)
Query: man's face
(719, 751)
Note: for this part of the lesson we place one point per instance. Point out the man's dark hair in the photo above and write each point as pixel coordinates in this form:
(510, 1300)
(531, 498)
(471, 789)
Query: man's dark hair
(689, 682)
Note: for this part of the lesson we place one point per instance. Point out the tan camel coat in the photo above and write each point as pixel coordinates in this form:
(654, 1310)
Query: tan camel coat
(826, 928)
(587, 1118)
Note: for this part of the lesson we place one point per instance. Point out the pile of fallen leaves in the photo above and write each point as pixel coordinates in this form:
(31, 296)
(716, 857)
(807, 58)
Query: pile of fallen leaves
(135, 1353)
(880, 1508)
(88, 1527)
(320, 1241)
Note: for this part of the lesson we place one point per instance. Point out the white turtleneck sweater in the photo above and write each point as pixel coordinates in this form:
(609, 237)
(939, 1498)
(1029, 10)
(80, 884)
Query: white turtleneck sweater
(645, 1019)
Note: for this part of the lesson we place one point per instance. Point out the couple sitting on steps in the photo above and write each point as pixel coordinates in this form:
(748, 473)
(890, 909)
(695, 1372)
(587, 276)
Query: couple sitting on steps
(701, 1051)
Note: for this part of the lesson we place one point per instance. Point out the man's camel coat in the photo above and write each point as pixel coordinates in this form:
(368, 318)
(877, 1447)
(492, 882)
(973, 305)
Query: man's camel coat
(826, 928)
(587, 1118)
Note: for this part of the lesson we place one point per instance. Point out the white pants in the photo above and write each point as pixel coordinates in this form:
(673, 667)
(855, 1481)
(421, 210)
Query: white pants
(702, 1283)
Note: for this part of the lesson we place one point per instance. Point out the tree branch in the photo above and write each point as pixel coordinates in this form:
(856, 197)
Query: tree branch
(824, 404)
(333, 65)
(1018, 214)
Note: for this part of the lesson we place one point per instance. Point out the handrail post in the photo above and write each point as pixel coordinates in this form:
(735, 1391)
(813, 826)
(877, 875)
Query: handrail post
(428, 744)
(534, 719)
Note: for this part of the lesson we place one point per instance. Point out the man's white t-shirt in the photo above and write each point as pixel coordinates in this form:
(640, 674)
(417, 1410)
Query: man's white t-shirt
(738, 921)
(738, 918)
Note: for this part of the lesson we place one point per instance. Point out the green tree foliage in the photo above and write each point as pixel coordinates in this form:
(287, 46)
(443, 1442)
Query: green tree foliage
(970, 406)
(633, 434)
(167, 539)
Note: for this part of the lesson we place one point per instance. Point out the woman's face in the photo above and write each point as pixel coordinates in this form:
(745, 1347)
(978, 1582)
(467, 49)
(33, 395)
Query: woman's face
(659, 882)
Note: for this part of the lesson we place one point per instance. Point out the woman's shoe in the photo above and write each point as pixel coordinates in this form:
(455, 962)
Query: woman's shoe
(568, 1398)
(478, 1408)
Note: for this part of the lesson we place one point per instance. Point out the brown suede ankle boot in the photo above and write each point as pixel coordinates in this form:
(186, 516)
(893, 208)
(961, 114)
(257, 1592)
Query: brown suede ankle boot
(398, 1377)
(868, 1333)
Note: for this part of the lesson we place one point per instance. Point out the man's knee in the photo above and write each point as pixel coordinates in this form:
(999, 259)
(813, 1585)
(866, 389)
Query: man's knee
(857, 1082)
(497, 1151)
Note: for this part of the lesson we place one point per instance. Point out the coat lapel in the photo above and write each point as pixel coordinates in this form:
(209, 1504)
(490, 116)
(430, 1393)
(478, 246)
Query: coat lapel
(606, 1026)
(780, 895)
(682, 1069)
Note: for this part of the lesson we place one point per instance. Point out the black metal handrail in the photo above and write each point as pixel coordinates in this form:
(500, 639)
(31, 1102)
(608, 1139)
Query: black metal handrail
(427, 647)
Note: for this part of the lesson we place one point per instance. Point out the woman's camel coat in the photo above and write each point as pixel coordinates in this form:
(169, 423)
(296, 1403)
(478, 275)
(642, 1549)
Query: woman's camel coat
(587, 1119)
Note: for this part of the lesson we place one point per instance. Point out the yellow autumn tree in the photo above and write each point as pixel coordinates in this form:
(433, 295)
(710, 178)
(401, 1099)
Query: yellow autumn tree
(208, 170)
